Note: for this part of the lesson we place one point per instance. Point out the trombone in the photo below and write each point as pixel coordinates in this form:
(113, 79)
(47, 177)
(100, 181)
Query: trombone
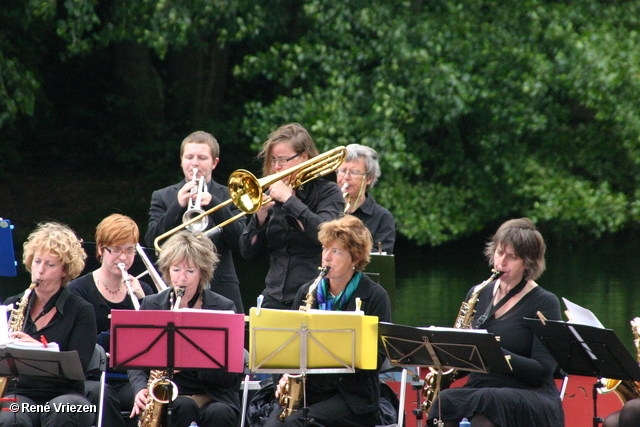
(246, 190)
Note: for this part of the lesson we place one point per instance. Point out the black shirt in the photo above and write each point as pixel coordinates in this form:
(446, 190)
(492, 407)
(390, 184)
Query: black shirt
(296, 252)
(73, 327)
(85, 287)
(380, 223)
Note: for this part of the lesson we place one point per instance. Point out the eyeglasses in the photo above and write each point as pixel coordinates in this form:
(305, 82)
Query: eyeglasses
(118, 251)
(351, 172)
(283, 162)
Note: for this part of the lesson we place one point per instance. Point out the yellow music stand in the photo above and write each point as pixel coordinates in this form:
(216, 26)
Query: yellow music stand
(317, 341)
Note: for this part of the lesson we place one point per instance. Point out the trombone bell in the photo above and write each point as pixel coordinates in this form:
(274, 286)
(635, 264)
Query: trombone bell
(245, 191)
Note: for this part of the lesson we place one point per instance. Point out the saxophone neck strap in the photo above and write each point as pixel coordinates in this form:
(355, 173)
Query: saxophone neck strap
(491, 308)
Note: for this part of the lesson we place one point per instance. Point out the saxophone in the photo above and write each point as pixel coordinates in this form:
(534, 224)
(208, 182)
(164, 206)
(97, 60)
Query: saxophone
(161, 389)
(625, 389)
(438, 380)
(16, 323)
(291, 392)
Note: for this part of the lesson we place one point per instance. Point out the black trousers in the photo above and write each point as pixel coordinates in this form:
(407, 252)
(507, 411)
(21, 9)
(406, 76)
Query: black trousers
(51, 418)
(184, 410)
(332, 412)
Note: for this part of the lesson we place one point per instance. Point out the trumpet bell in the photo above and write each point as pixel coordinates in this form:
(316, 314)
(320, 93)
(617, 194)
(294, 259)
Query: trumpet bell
(199, 225)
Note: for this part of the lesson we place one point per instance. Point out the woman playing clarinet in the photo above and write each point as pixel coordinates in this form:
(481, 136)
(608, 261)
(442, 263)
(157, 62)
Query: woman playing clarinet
(106, 289)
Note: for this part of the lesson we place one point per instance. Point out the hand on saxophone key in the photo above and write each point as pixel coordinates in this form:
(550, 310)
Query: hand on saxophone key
(22, 337)
(139, 403)
(281, 384)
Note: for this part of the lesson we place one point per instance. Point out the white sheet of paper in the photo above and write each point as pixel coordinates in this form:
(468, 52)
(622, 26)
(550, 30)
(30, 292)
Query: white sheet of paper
(581, 315)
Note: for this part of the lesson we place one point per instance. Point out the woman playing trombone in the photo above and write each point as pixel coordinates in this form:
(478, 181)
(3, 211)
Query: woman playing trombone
(287, 227)
(111, 287)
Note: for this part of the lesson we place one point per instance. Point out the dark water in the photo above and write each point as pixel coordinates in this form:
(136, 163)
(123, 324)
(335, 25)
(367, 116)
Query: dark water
(431, 283)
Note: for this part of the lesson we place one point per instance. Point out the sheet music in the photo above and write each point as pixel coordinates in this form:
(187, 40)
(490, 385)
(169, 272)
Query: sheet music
(581, 315)
(205, 310)
(325, 312)
(447, 329)
(52, 346)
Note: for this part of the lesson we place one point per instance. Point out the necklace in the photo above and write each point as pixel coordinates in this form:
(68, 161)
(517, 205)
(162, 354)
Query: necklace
(109, 290)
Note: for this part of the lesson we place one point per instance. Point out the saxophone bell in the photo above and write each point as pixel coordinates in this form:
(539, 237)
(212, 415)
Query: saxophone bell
(163, 390)
(625, 389)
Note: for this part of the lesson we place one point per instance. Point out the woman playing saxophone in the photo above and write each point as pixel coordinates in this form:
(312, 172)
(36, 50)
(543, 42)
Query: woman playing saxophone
(528, 395)
(53, 255)
(210, 398)
(337, 400)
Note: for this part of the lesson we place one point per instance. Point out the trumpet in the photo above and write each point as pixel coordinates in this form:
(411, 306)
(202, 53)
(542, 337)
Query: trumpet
(246, 190)
(194, 208)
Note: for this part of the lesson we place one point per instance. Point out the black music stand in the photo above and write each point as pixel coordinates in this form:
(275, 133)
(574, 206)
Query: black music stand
(441, 348)
(382, 270)
(30, 362)
(588, 351)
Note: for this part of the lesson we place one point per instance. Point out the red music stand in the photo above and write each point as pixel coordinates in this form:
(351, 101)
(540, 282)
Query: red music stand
(183, 339)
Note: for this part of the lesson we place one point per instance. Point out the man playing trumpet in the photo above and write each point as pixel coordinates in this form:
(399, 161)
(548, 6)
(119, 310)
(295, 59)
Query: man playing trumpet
(200, 152)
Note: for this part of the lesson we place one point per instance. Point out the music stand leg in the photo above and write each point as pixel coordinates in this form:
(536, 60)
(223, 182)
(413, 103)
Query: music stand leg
(418, 411)
(596, 420)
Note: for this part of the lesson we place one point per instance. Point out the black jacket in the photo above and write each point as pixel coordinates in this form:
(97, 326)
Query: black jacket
(361, 390)
(295, 252)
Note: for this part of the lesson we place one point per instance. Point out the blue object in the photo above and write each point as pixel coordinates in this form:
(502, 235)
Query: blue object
(465, 423)
(8, 261)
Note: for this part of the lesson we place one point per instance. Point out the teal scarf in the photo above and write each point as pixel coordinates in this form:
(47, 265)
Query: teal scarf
(328, 302)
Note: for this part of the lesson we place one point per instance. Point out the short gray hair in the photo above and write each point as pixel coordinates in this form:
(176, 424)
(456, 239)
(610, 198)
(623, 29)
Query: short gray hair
(370, 156)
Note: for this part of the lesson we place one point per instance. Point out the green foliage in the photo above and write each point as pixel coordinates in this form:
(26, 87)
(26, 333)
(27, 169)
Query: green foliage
(480, 111)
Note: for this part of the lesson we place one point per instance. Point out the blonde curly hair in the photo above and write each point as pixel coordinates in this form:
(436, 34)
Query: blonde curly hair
(60, 240)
